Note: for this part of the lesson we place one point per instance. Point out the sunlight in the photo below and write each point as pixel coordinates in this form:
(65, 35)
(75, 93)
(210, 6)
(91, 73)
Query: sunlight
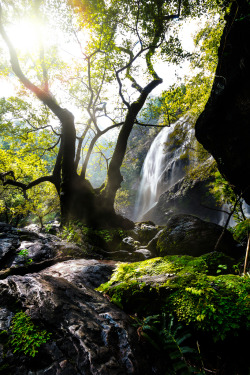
(25, 35)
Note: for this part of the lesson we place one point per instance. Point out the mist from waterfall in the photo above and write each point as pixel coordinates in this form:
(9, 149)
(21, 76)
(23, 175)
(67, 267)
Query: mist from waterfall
(162, 168)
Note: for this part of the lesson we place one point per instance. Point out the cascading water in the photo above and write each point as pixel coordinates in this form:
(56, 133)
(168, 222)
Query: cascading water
(162, 168)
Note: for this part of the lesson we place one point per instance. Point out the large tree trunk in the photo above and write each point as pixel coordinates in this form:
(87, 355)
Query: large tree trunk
(114, 177)
(80, 202)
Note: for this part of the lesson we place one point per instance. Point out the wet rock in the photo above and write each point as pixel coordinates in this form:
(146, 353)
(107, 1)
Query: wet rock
(21, 247)
(144, 253)
(35, 251)
(6, 245)
(189, 235)
(152, 245)
(89, 334)
(128, 243)
(186, 197)
(144, 232)
(9, 241)
(83, 272)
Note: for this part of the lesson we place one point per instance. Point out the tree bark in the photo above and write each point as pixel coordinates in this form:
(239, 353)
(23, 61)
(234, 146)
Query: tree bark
(114, 177)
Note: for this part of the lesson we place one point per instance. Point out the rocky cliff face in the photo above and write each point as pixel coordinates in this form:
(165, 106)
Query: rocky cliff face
(224, 126)
(185, 197)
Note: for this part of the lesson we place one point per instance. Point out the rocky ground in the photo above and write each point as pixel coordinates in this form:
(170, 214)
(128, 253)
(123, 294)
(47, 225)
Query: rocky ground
(54, 283)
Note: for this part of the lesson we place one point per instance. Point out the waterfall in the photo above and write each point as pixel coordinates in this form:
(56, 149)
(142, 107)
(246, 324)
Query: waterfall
(162, 168)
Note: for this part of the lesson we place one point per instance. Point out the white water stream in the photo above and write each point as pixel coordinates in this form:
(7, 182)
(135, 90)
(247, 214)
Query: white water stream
(162, 168)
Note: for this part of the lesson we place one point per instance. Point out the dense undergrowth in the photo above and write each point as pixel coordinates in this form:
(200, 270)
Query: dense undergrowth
(204, 296)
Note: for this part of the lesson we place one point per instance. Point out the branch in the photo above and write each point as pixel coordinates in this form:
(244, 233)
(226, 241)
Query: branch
(128, 75)
(92, 115)
(137, 20)
(22, 185)
(55, 144)
(120, 89)
(91, 146)
(4, 174)
(173, 16)
(227, 222)
(41, 47)
(44, 96)
(80, 142)
(153, 125)
(214, 209)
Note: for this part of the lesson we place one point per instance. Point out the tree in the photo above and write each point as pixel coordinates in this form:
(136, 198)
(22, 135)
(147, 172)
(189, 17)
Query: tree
(116, 49)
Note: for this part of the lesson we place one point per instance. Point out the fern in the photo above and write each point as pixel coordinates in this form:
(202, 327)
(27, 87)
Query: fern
(170, 338)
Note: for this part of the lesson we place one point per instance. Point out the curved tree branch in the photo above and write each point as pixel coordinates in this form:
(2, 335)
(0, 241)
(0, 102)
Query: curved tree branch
(91, 146)
(44, 96)
(21, 185)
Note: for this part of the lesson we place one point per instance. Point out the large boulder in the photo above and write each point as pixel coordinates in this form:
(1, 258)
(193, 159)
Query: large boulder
(89, 335)
(88, 272)
(201, 294)
(223, 128)
(189, 235)
(26, 247)
(186, 196)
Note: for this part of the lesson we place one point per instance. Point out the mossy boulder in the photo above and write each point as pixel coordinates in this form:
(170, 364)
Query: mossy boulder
(201, 292)
(189, 235)
(144, 232)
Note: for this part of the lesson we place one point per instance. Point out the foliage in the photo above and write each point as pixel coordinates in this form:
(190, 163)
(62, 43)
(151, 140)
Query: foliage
(168, 337)
(188, 289)
(225, 195)
(73, 232)
(79, 233)
(26, 337)
(24, 254)
(242, 230)
(26, 138)
(114, 55)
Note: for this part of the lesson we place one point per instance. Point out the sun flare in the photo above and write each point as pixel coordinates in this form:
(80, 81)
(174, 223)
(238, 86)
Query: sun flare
(25, 35)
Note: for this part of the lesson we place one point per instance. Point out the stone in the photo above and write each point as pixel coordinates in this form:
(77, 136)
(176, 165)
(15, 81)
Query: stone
(144, 232)
(189, 197)
(89, 334)
(128, 243)
(189, 235)
(83, 272)
(38, 247)
(146, 254)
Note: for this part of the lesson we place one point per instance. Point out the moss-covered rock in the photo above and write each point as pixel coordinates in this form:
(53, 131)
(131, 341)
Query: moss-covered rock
(187, 288)
(144, 232)
(189, 235)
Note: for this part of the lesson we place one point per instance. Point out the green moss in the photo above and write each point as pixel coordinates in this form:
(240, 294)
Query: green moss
(216, 304)
(186, 287)
(25, 336)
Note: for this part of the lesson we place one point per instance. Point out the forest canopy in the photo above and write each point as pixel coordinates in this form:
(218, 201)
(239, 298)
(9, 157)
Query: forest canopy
(80, 70)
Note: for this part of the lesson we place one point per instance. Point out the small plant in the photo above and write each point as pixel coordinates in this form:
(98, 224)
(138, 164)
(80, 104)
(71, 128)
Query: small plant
(110, 235)
(168, 337)
(24, 254)
(106, 235)
(74, 232)
(221, 267)
(26, 337)
(48, 228)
